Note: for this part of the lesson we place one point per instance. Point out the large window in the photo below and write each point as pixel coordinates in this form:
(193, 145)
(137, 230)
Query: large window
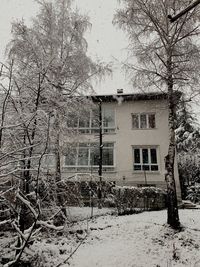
(143, 121)
(87, 155)
(145, 159)
(108, 118)
(89, 123)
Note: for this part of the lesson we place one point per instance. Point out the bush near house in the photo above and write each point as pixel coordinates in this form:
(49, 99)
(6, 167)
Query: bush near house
(193, 193)
(133, 199)
(77, 193)
(125, 199)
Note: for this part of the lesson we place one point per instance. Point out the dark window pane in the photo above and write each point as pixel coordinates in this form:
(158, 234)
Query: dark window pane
(152, 122)
(145, 167)
(95, 123)
(154, 167)
(136, 155)
(135, 121)
(95, 119)
(107, 154)
(143, 121)
(107, 157)
(108, 117)
(95, 131)
(94, 156)
(137, 167)
(148, 157)
(70, 157)
(72, 121)
(145, 157)
(153, 155)
(109, 130)
(83, 154)
(84, 122)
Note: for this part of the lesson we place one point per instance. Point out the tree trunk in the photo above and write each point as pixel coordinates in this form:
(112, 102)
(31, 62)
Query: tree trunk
(57, 154)
(60, 193)
(172, 212)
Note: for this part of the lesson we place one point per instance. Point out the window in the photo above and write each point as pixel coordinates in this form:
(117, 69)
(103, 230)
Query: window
(108, 119)
(90, 122)
(152, 121)
(83, 155)
(87, 155)
(94, 155)
(143, 121)
(72, 121)
(84, 124)
(70, 156)
(107, 157)
(145, 159)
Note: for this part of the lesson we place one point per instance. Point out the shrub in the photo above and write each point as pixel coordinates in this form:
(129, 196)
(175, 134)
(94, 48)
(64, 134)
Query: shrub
(130, 199)
(193, 193)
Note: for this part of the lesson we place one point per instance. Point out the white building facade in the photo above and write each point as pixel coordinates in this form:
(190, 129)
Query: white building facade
(135, 141)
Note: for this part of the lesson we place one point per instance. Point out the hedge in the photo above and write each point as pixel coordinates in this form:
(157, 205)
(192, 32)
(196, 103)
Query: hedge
(131, 199)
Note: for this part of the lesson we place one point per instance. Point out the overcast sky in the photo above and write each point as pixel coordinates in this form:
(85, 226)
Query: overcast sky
(105, 41)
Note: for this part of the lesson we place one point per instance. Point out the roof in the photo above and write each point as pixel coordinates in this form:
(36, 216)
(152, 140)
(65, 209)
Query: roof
(133, 97)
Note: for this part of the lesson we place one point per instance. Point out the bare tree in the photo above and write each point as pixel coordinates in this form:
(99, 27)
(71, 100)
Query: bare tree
(52, 67)
(184, 11)
(167, 59)
(49, 71)
(21, 158)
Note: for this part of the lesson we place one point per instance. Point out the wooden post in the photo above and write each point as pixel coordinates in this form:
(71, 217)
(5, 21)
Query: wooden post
(100, 141)
(99, 191)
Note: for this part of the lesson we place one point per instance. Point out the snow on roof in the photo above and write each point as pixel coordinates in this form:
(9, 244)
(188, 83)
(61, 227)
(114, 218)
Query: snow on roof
(132, 97)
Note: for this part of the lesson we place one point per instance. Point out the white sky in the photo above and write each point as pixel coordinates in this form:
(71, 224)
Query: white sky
(105, 41)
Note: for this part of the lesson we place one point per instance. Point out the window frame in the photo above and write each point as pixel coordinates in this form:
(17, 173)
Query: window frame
(147, 114)
(93, 130)
(150, 164)
(90, 147)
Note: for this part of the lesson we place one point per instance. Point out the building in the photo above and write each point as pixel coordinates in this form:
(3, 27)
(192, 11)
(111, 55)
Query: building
(135, 141)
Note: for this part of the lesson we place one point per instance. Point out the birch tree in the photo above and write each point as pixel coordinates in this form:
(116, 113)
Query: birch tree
(52, 65)
(167, 59)
(50, 71)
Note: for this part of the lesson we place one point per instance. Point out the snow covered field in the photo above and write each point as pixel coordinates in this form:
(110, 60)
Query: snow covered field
(142, 240)
(138, 240)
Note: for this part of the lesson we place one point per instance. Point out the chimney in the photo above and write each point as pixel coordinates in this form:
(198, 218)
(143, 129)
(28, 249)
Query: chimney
(119, 91)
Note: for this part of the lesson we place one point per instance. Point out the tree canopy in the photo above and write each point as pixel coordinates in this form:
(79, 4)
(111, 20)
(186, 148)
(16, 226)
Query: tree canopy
(155, 42)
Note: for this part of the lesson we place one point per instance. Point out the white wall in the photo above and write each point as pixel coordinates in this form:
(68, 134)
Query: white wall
(125, 138)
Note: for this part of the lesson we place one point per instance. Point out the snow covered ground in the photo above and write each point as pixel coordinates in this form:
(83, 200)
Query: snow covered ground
(142, 240)
(82, 213)
(137, 240)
